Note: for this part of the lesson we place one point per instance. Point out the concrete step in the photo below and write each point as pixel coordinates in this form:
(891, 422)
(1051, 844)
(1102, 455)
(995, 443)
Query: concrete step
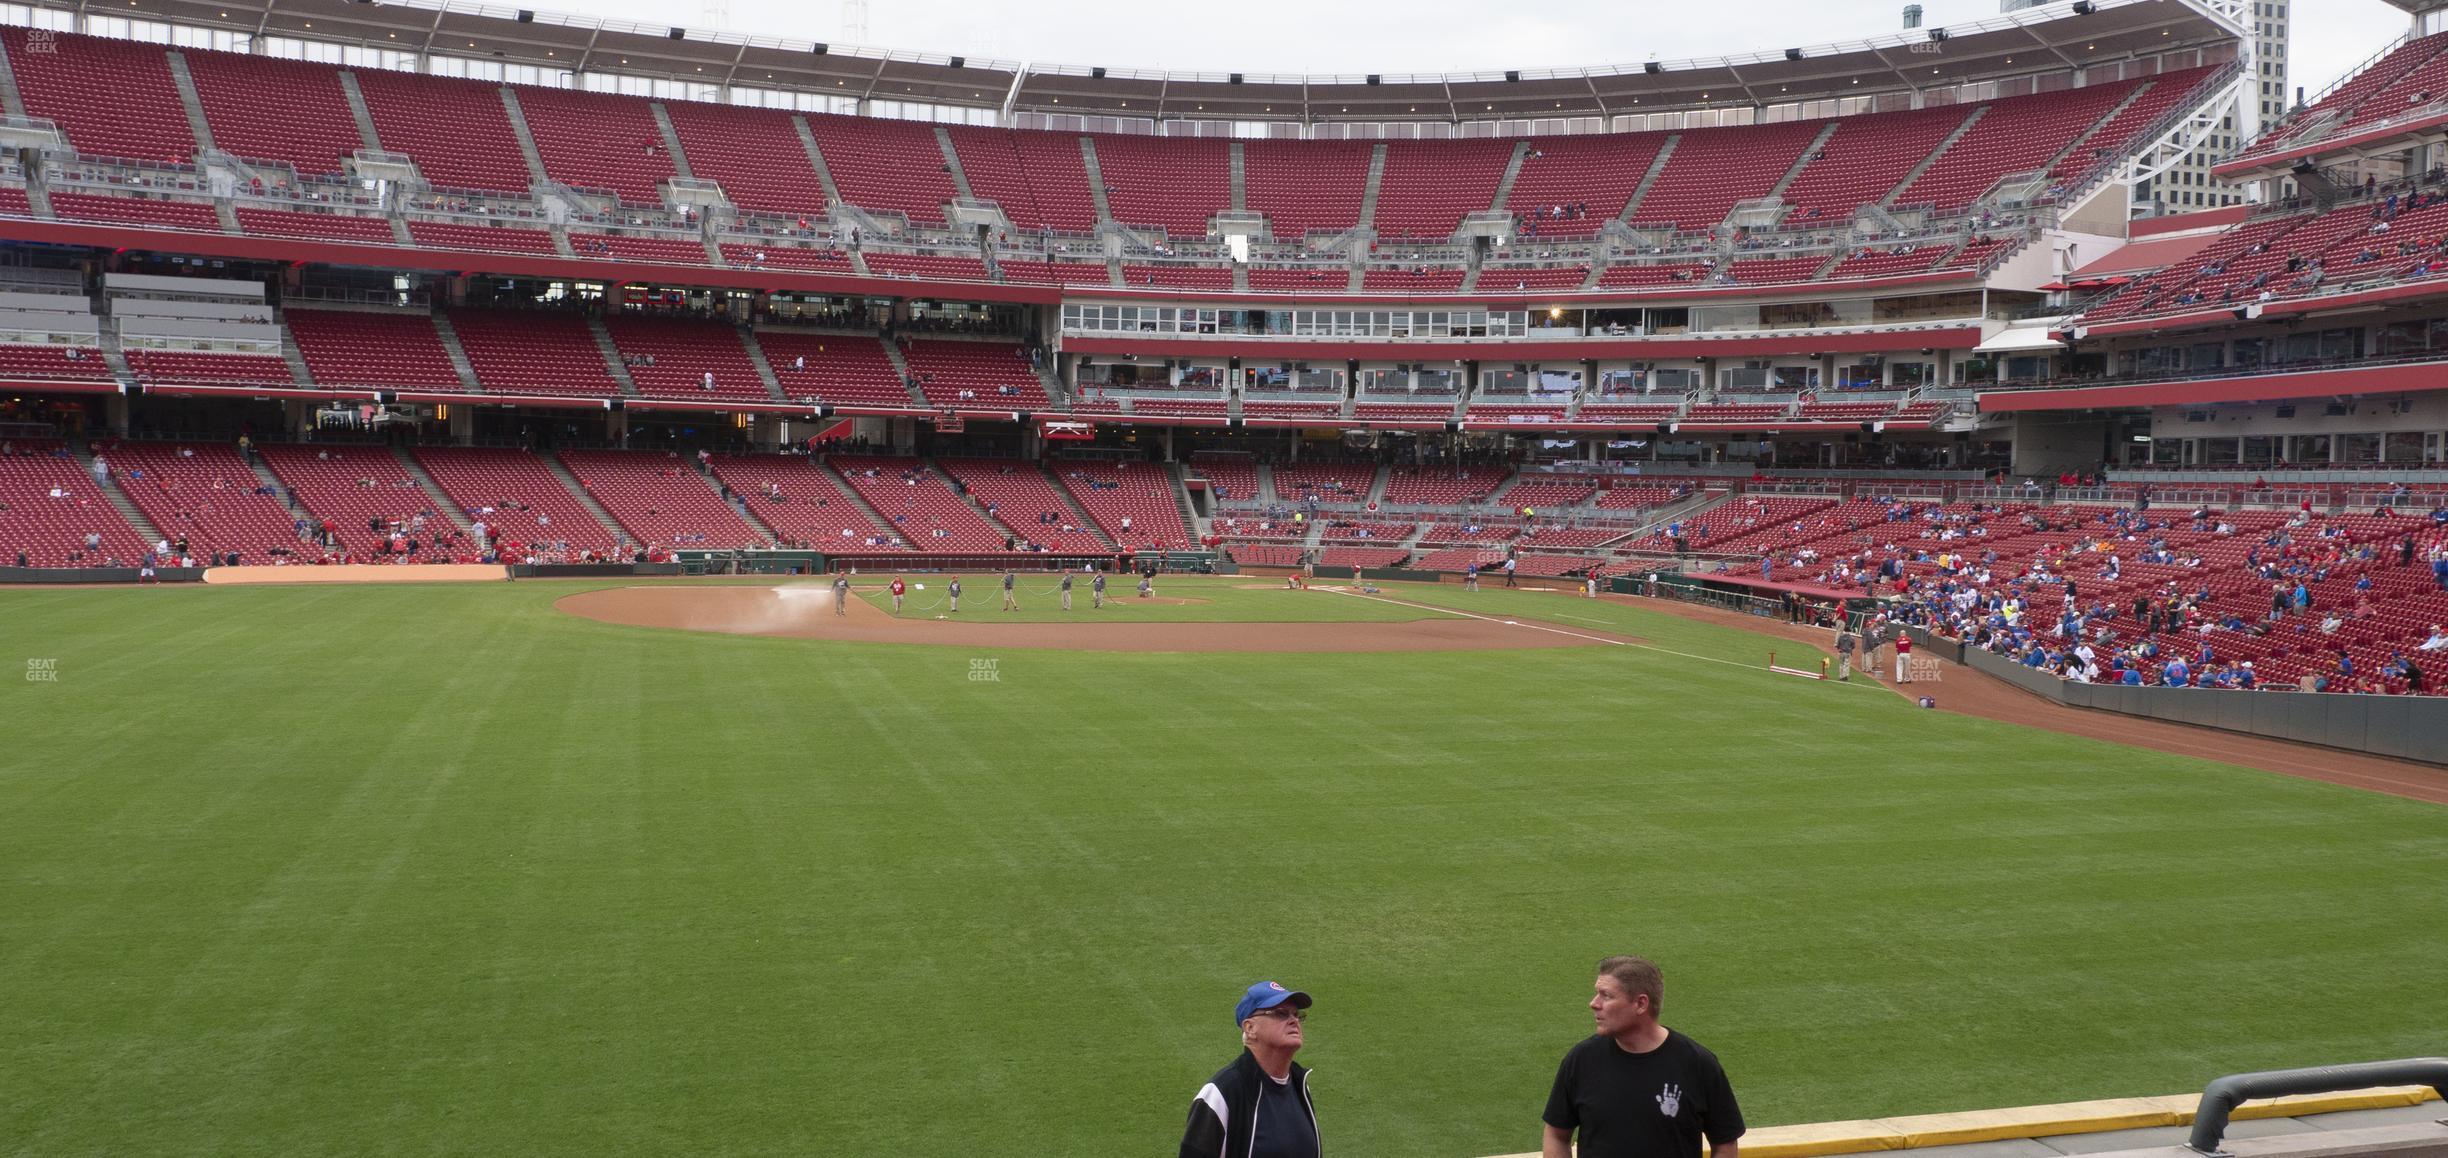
(1368, 195)
(764, 369)
(1096, 179)
(119, 501)
(458, 353)
(1240, 180)
(1657, 165)
(11, 100)
(359, 111)
(671, 139)
(892, 353)
(860, 501)
(185, 81)
(815, 156)
(611, 356)
(952, 162)
(738, 504)
(586, 499)
(1927, 162)
(527, 148)
(1513, 168)
(1071, 503)
(433, 490)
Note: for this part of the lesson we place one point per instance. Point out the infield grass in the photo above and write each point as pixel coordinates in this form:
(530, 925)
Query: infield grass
(440, 870)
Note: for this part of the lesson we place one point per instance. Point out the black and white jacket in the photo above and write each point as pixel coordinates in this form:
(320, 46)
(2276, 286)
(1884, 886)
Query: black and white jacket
(1224, 1116)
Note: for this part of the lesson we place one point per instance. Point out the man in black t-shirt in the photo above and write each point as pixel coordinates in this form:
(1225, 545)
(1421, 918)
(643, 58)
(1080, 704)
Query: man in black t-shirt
(1638, 1089)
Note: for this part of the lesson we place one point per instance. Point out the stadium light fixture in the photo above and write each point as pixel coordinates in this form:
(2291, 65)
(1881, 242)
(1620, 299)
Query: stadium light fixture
(1937, 35)
(1512, 76)
(679, 33)
(1793, 54)
(820, 48)
(1653, 68)
(960, 62)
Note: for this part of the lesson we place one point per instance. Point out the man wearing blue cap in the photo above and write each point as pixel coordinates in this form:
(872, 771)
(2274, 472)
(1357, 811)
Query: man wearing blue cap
(1258, 1107)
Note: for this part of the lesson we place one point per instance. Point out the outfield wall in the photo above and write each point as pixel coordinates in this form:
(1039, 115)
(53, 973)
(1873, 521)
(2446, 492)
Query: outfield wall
(96, 575)
(2399, 727)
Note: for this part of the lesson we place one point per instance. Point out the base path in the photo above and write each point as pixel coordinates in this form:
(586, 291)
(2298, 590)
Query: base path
(806, 612)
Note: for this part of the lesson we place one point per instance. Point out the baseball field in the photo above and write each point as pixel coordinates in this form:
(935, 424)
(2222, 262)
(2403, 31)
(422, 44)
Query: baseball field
(577, 868)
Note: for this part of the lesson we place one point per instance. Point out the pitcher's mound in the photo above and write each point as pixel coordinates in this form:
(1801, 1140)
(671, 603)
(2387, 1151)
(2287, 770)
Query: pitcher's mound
(806, 612)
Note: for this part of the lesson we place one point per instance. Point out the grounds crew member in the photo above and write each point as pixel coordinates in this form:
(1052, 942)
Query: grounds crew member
(1066, 590)
(1096, 592)
(841, 594)
(1845, 645)
(1009, 603)
(1258, 1107)
(952, 592)
(1636, 1089)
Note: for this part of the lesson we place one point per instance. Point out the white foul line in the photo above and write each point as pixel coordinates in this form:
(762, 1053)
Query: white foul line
(1543, 627)
(1481, 618)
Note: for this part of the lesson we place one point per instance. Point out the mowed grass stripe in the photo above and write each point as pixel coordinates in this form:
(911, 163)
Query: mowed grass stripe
(329, 871)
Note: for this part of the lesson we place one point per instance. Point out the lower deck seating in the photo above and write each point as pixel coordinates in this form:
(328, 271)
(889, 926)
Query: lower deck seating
(205, 493)
(680, 358)
(50, 505)
(518, 499)
(1134, 502)
(661, 500)
(369, 498)
(799, 499)
(1017, 494)
(920, 504)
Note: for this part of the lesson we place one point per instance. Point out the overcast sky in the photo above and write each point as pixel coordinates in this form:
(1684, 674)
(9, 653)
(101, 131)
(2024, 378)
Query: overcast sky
(1384, 36)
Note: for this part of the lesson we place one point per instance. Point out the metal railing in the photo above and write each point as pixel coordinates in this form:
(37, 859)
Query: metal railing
(2220, 1098)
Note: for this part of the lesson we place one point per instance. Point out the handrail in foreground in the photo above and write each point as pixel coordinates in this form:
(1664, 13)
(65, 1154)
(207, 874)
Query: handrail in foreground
(2220, 1098)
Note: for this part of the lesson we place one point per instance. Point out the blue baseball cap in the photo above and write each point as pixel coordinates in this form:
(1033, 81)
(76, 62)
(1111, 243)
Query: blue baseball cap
(1267, 995)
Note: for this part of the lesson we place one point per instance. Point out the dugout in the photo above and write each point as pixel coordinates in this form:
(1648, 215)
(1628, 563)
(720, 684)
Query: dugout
(1751, 595)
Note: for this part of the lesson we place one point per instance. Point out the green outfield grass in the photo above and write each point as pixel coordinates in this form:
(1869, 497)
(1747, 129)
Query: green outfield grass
(376, 869)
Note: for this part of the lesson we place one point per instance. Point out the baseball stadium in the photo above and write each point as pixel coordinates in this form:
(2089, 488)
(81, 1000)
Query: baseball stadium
(591, 588)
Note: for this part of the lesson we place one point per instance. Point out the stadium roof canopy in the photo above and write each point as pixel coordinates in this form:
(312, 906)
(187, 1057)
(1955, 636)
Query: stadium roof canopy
(2052, 38)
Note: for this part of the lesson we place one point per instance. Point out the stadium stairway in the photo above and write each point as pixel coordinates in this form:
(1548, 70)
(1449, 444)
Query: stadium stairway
(1096, 179)
(764, 369)
(12, 101)
(834, 475)
(952, 166)
(433, 490)
(1238, 167)
(458, 354)
(184, 81)
(816, 161)
(969, 498)
(1377, 487)
(739, 505)
(892, 353)
(569, 482)
(294, 356)
(1368, 192)
(611, 356)
(1657, 165)
(1071, 504)
(536, 174)
(671, 141)
(1181, 496)
(358, 110)
(83, 454)
(1924, 164)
